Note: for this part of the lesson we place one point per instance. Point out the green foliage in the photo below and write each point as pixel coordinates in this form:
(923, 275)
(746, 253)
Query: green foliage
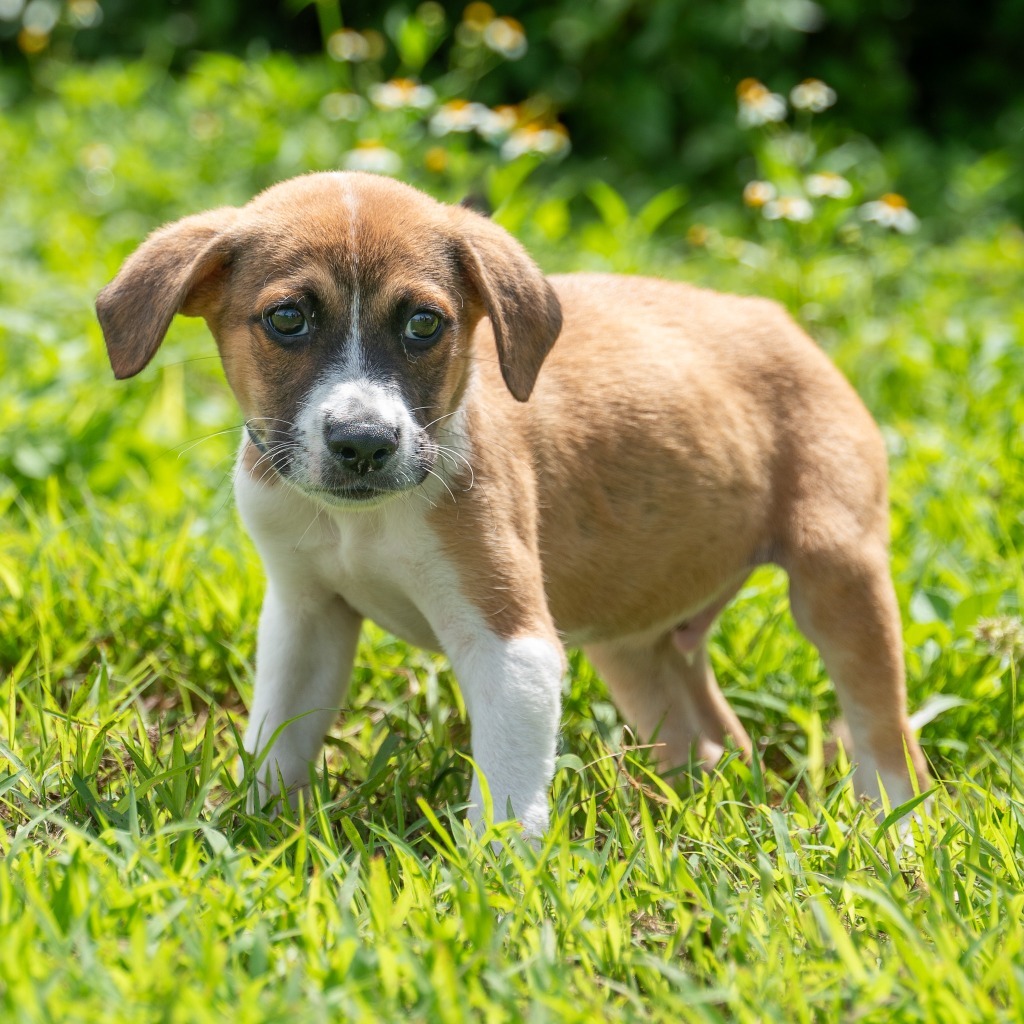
(134, 883)
(647, 83)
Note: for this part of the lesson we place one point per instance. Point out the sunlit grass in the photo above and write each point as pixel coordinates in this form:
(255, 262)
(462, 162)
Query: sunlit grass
(130, 865)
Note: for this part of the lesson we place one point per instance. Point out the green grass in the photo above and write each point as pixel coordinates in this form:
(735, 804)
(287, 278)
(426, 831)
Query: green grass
(134, 886)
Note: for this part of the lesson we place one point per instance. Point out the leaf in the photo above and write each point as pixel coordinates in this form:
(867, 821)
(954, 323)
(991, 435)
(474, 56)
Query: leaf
(974, 607)
(660, 207)
(610, 205)
(935, 704)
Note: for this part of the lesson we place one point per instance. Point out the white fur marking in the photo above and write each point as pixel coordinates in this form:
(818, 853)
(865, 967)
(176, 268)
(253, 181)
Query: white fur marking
(305, 649)
(512, 690)
(358, 400)
(354, 361)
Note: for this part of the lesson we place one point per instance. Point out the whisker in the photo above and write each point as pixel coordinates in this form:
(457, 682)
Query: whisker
(444, 484)
(196, 441)
(439, 418)
(270, 419)
(454, 453)
(446, 453)
(319, 509)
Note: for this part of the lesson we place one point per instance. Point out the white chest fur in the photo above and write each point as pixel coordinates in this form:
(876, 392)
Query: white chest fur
(384, 562)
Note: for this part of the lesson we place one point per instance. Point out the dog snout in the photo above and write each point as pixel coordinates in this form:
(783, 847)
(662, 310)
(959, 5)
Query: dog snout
(360, 447)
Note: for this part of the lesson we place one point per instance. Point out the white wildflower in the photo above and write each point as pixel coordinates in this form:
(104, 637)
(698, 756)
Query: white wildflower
(757, 193)
(794, 208)
(828, 184)
(373, 157)
(758, 104)
(478, 15)
(812, 94)
(891, 211)
(498, 122)
(505, 36)
(1001, 635)
(348, 45)
(401, 94)
(545, 141)
(85, 13)
(342, 106)
(458, 116)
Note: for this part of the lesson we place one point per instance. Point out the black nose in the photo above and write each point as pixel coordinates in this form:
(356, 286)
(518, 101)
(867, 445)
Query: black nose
(360, 447)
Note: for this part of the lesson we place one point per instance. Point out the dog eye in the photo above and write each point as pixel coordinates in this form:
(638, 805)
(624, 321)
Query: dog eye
(423, 326)
(287, 321)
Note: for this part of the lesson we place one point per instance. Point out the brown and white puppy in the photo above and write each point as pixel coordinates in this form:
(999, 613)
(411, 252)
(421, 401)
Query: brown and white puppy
(406, 459)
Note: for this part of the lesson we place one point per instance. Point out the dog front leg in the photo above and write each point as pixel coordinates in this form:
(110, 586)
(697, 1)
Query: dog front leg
(304, 658)
(512, 688)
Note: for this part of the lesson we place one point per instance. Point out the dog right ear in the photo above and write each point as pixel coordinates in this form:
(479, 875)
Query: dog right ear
(175, 270)
(523, 308)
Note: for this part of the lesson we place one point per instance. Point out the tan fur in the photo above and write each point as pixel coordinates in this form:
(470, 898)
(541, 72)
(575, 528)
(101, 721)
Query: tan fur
(675, 439)
(693, 437)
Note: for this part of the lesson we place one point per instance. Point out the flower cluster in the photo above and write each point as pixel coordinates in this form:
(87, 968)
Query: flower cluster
(40, 19)
(480, 37)
(510, 126)
(759, 106)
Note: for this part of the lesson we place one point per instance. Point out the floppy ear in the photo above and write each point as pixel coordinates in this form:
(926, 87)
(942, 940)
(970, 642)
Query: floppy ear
(171, 272)
(524, 310)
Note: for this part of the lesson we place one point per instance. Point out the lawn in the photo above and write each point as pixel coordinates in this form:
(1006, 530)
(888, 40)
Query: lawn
(134, 886)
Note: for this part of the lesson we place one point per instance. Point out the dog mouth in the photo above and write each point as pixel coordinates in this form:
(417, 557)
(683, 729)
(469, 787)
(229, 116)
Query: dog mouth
(358, 491)
(336, 487)
(332, 484)
(403, 477)
(355, 493)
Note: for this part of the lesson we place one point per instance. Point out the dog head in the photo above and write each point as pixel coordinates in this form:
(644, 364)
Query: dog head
(344, 307)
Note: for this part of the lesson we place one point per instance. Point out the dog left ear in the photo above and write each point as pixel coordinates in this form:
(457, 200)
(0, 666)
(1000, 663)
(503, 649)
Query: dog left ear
(171, 272)
(524, 310)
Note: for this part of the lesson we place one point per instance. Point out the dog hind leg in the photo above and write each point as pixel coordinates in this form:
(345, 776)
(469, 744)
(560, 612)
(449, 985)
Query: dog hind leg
(667, 691)
(845, 604)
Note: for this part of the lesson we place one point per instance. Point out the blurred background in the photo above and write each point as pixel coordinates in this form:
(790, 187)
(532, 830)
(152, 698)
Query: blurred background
(644, 87)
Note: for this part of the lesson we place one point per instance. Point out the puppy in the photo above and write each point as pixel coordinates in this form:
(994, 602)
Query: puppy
(416, 452)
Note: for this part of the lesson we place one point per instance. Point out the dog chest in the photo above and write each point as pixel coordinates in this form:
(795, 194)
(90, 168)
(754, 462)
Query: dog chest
(382, 562)
(380, 574)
